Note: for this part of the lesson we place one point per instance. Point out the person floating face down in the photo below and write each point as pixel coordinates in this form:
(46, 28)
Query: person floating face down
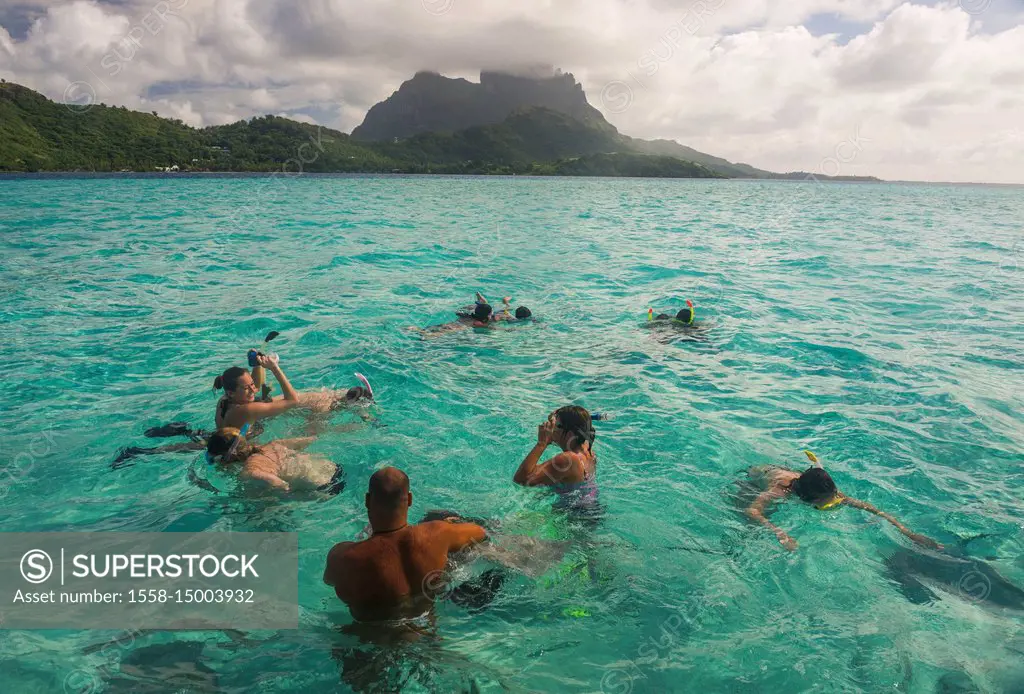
(482, 315)
(813, 486)
(277, 465)
(399, 571)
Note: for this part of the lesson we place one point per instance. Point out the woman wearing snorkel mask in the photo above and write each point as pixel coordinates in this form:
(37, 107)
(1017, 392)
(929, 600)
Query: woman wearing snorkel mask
(573, 472)
(813, 486)
(277, 464)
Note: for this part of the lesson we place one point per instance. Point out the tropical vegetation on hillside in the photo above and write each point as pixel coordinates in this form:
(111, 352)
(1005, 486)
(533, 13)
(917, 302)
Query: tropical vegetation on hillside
(37, 134)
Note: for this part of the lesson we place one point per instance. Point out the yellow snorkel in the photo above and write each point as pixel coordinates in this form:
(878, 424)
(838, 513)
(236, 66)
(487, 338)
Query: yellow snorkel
(259, 374)
(837, 499)
(688, 321)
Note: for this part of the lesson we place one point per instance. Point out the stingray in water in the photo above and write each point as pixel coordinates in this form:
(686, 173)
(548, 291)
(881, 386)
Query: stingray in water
(920, 572)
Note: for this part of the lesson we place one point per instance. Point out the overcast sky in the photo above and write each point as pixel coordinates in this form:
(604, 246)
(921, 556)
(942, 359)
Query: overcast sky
(932, 90)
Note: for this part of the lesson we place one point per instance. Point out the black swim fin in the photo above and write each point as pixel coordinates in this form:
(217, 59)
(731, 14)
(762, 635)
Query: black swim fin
(124, 455)
(167, 430)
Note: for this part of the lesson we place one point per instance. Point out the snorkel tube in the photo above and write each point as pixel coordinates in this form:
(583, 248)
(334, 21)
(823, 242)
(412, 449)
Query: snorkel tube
(689, 321)
(259, 374)
(366, 383)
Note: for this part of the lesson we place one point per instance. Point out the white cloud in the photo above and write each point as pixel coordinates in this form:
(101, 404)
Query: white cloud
(300, 117)
(930, 93)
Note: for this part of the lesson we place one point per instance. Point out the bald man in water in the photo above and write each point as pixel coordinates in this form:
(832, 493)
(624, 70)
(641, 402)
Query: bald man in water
(398, 571)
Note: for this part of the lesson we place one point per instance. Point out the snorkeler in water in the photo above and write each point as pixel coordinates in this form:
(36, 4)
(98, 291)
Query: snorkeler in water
(240, 386)
(479, 315)
(505, 313)
(684, 318)
(279, 464)
(813, 486)
(682, 326)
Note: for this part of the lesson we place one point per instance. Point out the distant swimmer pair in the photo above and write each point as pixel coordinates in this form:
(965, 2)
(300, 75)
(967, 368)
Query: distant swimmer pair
(813, 486)
(482, 311)
(480, 315)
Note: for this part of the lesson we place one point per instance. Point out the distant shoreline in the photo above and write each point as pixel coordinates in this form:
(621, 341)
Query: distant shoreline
(11, 175)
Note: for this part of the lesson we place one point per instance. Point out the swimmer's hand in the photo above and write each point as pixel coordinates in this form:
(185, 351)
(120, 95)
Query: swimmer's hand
(546, 433)
(267, 361)
(787, 542)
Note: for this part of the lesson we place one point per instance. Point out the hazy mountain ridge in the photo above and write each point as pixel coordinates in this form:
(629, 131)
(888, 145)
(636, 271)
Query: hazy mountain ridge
(37, 134)
(430, 102)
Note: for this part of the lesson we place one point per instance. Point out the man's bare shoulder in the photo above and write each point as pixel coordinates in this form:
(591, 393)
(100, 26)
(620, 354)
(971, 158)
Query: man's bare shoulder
(340, 551)
(428, 530)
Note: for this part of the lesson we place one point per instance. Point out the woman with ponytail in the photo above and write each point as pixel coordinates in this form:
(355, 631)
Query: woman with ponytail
(239, 407)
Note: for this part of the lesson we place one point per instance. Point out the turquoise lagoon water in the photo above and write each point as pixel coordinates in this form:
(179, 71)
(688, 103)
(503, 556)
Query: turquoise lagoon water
(878, 325)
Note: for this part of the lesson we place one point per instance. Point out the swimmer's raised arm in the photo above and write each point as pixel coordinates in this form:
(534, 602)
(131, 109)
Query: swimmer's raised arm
(756, 512)
(919, 539)
(290, 399)
(553, 471)
(527, 472)
(458, 535)
(289, 393)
